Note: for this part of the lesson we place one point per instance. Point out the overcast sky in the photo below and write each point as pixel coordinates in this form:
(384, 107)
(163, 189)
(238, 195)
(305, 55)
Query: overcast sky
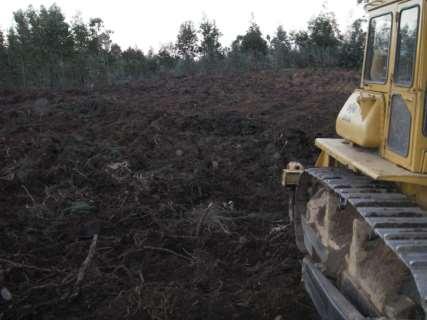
(152, 23)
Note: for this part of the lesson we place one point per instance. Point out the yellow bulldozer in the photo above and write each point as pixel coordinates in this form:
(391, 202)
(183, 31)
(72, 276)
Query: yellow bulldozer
(360, 214)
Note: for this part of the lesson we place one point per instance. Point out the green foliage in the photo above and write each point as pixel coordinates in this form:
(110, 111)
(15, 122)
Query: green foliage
(80, 34)
(41, 41)
(2, 41)
(281, 40)
(353, 47)
(301, 40)
(210, 47)
(14, 62)
(43, 50)
(167, 58)
(253, 42)
(249, 51)
(186, 44)
(320, 45)
(280, 48)
(99, 37)
(80, 62)
(323, 31)
(134, 62)
(3, 61)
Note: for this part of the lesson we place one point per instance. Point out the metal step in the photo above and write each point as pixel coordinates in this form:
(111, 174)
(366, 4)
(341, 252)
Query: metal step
(397, 220)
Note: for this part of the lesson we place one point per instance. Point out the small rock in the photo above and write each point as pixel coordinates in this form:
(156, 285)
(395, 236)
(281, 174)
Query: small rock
(279, 317)
(229, 205)
(118, 165)
(179, 153)
(243, 240)
(215, 164)
(5, 294)
(277, 156)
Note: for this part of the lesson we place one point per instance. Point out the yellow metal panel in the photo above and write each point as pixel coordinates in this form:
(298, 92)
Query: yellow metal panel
(368, 162)
(361, 119)
(323, 161)
(416, 193)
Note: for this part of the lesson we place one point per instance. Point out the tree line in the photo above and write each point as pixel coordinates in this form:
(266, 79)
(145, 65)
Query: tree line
(43, 50)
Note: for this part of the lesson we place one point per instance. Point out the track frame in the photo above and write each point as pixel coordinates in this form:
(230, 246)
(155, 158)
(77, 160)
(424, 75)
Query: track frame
(399, 222)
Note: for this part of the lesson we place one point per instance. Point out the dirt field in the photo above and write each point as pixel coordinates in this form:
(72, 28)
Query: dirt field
(158, 200)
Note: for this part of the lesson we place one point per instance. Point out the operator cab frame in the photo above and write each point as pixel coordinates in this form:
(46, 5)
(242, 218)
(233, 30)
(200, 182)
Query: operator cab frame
(395, 66)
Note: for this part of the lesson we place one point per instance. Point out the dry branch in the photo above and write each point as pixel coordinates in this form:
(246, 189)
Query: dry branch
(83, 268)
(29, 195)
(26, 266)
(168, 251)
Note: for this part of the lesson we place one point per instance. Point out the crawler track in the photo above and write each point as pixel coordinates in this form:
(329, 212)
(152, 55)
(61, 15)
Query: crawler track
(397, 220)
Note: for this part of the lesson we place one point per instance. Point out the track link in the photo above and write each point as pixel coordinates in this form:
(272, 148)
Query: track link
(397, 220)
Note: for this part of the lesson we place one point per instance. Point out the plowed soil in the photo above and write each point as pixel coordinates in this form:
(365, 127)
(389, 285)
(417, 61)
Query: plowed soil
(159, 199)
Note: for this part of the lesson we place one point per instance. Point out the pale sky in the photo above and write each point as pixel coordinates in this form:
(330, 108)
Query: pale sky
(146, 24)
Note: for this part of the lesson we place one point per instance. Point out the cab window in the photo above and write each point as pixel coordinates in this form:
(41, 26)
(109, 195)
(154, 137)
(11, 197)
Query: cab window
(378, 52)
(407, 46)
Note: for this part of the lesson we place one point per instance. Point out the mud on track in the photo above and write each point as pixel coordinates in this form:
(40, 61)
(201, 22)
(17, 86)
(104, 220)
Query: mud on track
(179, 178)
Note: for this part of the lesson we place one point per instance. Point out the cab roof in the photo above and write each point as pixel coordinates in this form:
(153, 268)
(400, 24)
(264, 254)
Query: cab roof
(373, 4)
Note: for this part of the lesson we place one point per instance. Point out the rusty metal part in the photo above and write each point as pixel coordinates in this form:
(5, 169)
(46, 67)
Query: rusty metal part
(292, 174)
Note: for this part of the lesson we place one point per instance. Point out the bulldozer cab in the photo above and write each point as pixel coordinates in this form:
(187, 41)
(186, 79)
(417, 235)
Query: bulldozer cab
(392, 99)
(394, 65)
